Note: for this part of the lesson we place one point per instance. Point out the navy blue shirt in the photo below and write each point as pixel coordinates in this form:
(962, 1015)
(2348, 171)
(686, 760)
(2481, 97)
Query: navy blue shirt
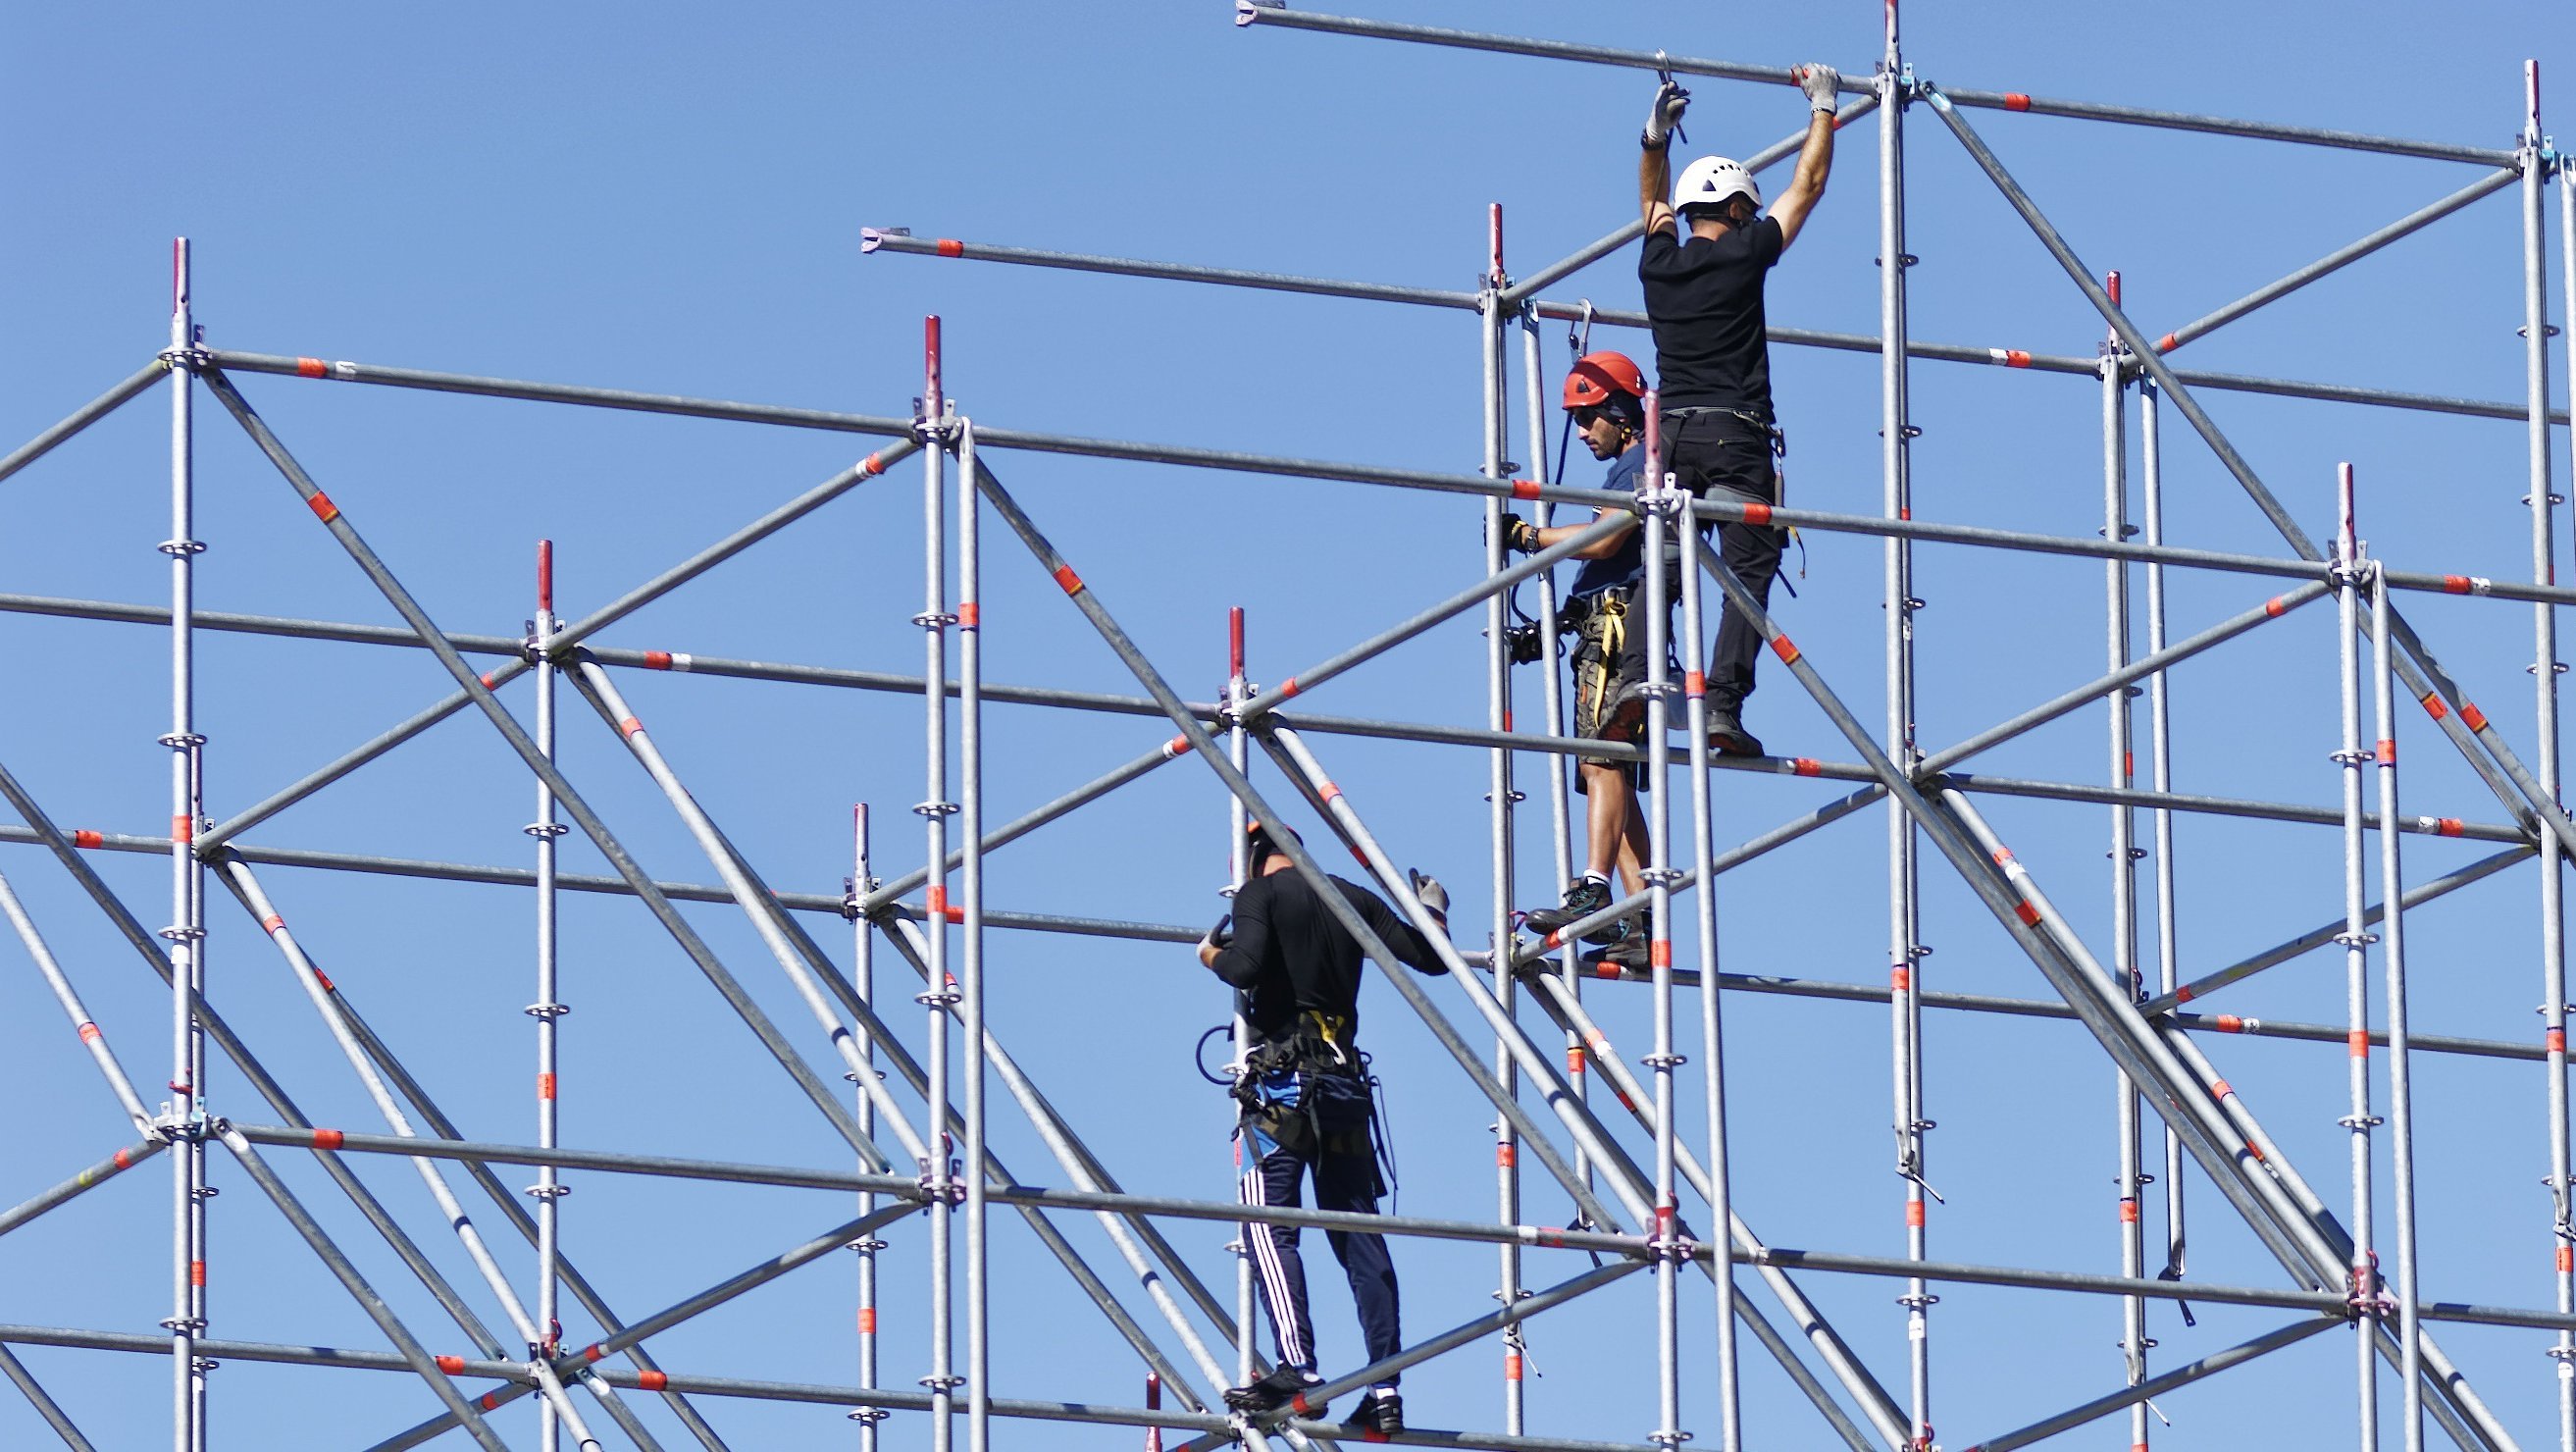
(1704, 301)
(1626, 564)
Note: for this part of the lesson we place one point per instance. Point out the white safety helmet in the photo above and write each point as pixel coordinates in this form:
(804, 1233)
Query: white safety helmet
(1713, 181)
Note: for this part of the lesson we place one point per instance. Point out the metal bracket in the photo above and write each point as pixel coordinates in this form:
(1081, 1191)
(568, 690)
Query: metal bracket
(190, 359)
(870, 1415)
(181, 740)
(1243, 9)
(547, 1010)
(547, 1192)
(934, 809)
(174, 548)
(545, 829)
(871, 238)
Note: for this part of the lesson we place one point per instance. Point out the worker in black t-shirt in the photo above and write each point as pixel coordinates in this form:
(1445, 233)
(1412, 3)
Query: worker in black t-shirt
(1703, 281)
(1306, 1107)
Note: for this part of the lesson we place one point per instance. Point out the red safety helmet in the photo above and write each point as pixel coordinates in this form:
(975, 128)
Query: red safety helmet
(1597, 377)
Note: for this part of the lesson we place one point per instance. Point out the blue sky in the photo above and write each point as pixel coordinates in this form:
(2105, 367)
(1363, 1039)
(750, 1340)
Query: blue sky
(669, 198)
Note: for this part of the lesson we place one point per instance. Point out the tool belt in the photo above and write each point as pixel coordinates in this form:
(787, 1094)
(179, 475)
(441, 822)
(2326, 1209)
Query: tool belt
(1319, 1047)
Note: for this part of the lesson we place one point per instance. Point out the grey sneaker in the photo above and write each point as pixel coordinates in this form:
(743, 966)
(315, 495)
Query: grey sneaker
(1583, 897)
(1727, 736)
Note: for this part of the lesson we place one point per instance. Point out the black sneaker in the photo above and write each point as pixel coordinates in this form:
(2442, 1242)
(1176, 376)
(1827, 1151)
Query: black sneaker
(1584, 896)
(1380, 1415)
(1727, 736)
(1281, 1386)
(1631, 954)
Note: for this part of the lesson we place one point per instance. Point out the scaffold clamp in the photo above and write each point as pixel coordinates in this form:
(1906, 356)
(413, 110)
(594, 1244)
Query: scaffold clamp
(869, 1415)
(872, 238)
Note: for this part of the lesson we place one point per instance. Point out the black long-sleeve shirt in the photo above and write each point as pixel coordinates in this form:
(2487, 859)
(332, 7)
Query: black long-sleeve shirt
(1290, 956)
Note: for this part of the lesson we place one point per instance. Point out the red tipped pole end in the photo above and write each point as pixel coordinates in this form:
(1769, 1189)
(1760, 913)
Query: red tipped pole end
(546, 575)
(2343, 491)
(178, 274)
(1234, 639)
(1654, 438)
(2531, 96)
(931, 397)
(1494, 236)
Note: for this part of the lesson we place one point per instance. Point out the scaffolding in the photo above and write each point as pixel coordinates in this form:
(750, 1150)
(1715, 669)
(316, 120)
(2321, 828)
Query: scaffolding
(1641, 1199)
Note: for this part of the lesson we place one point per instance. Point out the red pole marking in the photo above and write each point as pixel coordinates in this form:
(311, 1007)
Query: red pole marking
(2111, 284)
(271, 923)
(1573, 1060)
(545, 1086)
(311, 368)
(2357, 1043)
(1511, 1366)
(2275, 607)
(2432, 704)
(123, 1159)
(2472, 717)
(1624, 1101)
(2016, 101)
(871, 466)
(2128, 1212)
(1785, 648)
(322, 507)
(1757, 514)
(1494, 225)
(1176, 746)
(2449, 827)
(2016, 358)
(657, 660)
(89, 1033)
(1900, 978)
(490, 1401)
(1914, 1214)
(931, 400)
(2566, 1259)
(938, 900)
(2220, 1088)
(1605, 969)
(2184, 994)
(2167, 343)
(2128, 763)
(2029, 915)
(2387, 751)
(84, 837)
(1234, 639)
(630, 728)
(183, 829)
(2256, 1153)
(2555, 1041)
(1065, 577)
(593, 1352)
(1332, 793)
(1507, 720)
(2229, 1023)
(1694, 684)
(545, 574)
(1525, 488)
(1288, 688)
(325, 980)
(1550, 943)
(1660, 953)
(968, 615)
(452, 1365)
(1506, 1156)
(867, 1320)
(488, 683)
(2455, 584)
(1806, 766)
(652, 1381)
(328, 1139)
(2003, 855)
(951, 247)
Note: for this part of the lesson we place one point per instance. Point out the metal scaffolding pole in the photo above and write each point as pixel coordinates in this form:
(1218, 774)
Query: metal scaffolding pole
(1500, 797)
(1905, 952)
(548, 1007)
(2126, 1112)
(2160, 777)
(46, 1407)
(863, 982)
(134, 385)
(1238, 870)
(970, 740)
(2356, 938)
(2545, 668)
(2400, 1039)
(186, 935)
(1657, 498)
(938, 998)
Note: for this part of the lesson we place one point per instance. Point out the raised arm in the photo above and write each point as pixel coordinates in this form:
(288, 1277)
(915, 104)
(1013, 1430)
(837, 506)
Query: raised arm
(1823, 85)
(1655, 159)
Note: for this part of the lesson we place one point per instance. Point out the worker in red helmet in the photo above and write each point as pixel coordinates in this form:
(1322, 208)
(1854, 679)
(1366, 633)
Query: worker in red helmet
(1605, 399)
(1706, 257)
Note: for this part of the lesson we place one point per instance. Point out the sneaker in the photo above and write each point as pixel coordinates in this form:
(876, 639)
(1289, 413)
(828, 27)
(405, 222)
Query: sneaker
(1631, 954)
(1380, 1415)
(1727, 736)
(1281, 1386)
(1584, 896)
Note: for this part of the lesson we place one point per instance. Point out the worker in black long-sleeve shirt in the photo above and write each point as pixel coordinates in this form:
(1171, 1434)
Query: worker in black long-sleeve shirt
(1296, 974)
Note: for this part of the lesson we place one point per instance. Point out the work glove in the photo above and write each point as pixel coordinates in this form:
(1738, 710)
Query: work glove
(1670, 101)
(1220, 937)
(1520, 536)
(1433, 895)
(1822, 83)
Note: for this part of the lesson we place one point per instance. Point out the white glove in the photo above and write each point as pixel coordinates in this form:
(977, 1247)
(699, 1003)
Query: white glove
(1433, 895)
(1822, 83)
(1670, 101)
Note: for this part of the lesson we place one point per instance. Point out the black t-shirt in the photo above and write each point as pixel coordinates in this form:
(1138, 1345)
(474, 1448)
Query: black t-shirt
(1289, 955)
(1624, 565)
(1704, 298)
